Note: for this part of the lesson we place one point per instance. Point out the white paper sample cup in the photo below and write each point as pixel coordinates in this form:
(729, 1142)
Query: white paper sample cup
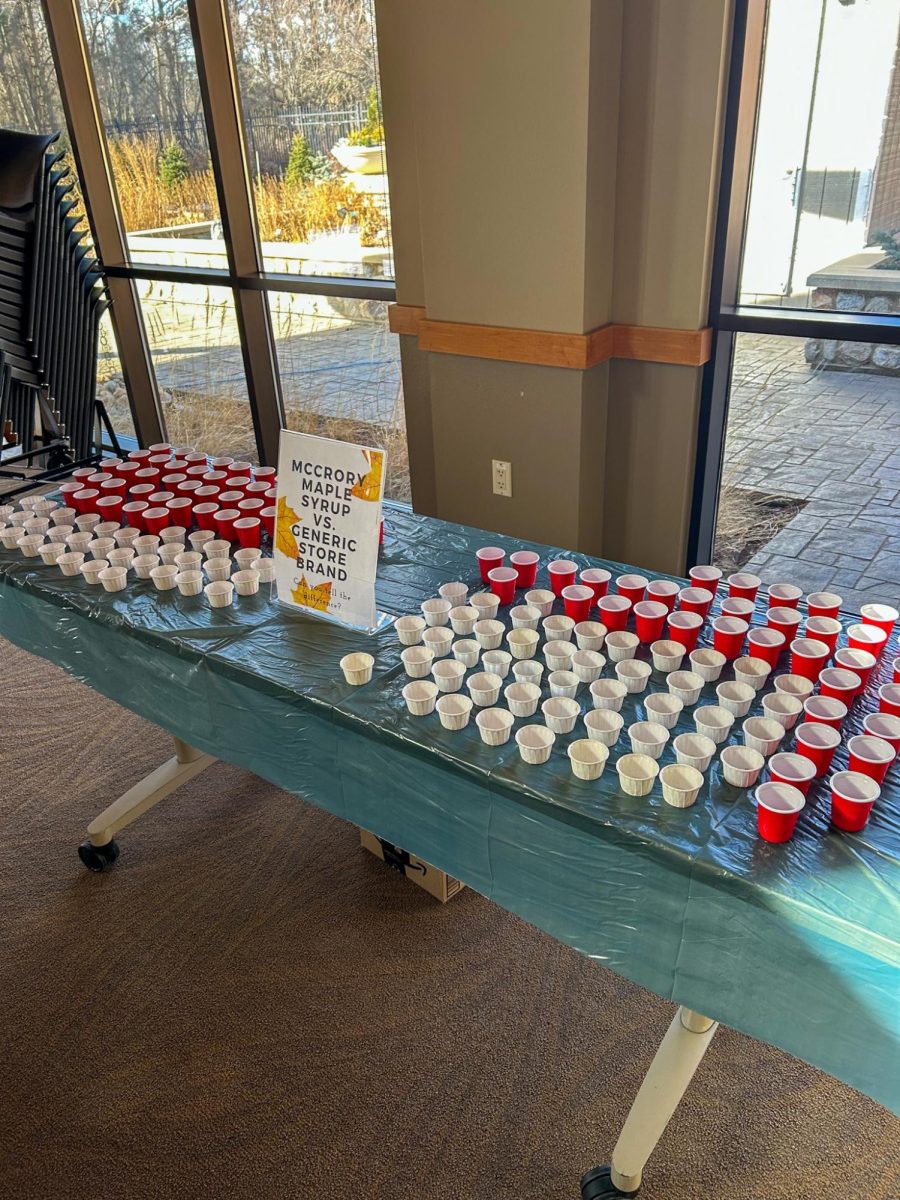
(10, 536)
(169, 551)
(563, 683)
(266, 568)
(409, 630)
(122, 556)
(542, 600)
(621, 645)
(558, 655)
(79, 542)
(590, 635)
(608, 694)
(216, 548)
(417, 661)
(86, 522)
(489, 633)
(466, 651)
(114, 578)
(357, 667)
(752, 671)
(438, 639)
(762, 734)
(190, 560)
(648, 737)
(535, 743)
(420, 697)
(522, 698)
(525, 616)
(243, 558)
(70, 563)
(587, 758)
(107, 529)
(200, 537)
(794, 685)
(484, 688)
(736, 697)
(496, 662)
(587, 665)
(707, 664)
(494, 725)
(448, 674)
(714, 722)
(147, 543)
(454, 710)
(560, 713)
(51, 552)
(91, 568)
(663, 708)
(667, 655)
(456, 593)
(218, 570)
(779, 706)
(603, 725)
(741, 765)
(463, 619)
(127, 536)
(246, 582)
(694, 750)
(686, 685)
(143, 564)
(680, 785)
(189, 583)
(558, 629)
(486, 603)
(636, 774)
(175, 533)
(165, 576)
(528, 670)
(100, 547)
(436, 611)
(522, 642)
(633, 673)
(30, 544)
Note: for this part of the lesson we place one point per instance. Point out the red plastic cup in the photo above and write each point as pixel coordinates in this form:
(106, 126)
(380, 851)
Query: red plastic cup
(766, 644)
(860, 662)
(870, 756)
(117, 486)
(156, 519)
(853, 796)
(743, 586)
(696, 600)
(884, 726)
(238, 483)
(839, 684)
(189, 488)
(728, 636)
(242, 469)
(256, 489)
(663, 591)
(231, 497)
(649, 618)
(171, 481)
(488, 558)
(224, 520)
(177, 464)
(524, 561)
(778, 805)
(143, 491)
(824, 629)
(632, 587)
(867, 637)
(705, 577)
(614, 612)
(110, 507)
(785, 620)
(562, 573)
(111, 465)
(252, 506)
(161, 461)
(809, 657)
(503, 583)
(597, 580)
(823, 604)
(895, 671)
(128, 470)
(889, 699)
(206, 494)
(883, 616)
(825, 710)
(577, 601)
(98, 479)
(205, 515)
(158, 498)
(784, 595)
(267, 516)
(792, 769)
(737, 606)
(83, 501)
(684, 628)
(817, 742)
(272, 494)
(180, 508)
(194, 458)
(261, 474)
(151, 475)
(139, 456)
(162, 448)
(215, 479)
(219, 464)
(196, 471)
(248, 530)
(83, 474)
(133, 514)
(68, 490)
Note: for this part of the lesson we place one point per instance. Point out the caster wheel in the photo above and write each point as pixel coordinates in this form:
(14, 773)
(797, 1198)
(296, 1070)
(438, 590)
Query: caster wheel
(98, 858)
(597, 1185)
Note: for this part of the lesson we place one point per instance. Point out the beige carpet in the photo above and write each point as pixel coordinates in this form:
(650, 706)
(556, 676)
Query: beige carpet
(248, 1006)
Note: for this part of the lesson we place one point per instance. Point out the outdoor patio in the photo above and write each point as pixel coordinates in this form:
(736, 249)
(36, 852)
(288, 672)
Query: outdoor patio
(829, 438)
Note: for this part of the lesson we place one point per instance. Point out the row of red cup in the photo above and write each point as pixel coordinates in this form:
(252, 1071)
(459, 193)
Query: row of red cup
(165, 486)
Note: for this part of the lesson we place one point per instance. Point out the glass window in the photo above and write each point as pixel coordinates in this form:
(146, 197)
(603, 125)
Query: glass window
(143, 61)
(196, 351)
(111, 382)
(824, 212)
(309, 84)
(340, 375)
(812, 467)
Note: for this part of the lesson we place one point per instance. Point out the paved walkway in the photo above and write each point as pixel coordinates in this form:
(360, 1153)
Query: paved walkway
(833, 439)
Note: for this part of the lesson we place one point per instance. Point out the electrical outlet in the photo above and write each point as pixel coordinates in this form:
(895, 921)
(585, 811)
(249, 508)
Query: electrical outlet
(502, 472)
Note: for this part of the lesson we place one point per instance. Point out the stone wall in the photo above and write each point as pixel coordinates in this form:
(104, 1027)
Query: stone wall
(855, 285)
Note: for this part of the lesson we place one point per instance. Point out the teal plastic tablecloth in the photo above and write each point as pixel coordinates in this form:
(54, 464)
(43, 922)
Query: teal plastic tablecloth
(797, 944)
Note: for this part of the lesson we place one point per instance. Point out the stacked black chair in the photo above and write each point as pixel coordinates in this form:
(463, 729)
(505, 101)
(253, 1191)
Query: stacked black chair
(51, 300)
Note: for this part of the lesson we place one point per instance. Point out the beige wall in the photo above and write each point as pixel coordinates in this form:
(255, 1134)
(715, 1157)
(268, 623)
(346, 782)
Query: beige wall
(554, 167)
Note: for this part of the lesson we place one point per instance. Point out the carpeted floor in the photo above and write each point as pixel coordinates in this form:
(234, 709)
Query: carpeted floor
(248, 1006)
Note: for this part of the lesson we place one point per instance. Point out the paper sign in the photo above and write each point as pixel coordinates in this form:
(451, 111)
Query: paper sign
(327, 527)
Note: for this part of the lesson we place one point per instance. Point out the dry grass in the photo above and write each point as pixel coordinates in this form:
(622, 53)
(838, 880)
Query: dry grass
(748, 520)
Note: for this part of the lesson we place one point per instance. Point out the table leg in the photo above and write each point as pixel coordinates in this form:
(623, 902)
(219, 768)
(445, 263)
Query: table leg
(100, 850)
(665, 1083)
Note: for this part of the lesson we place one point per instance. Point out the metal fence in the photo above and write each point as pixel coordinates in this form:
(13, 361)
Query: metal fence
(269, 133)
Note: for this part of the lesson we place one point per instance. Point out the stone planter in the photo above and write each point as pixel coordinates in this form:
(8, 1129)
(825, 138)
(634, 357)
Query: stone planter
(360, 160)
(855, 284)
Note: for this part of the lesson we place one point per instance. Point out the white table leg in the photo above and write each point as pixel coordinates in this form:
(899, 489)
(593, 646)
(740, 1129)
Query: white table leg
(665, 1083)
(100, 849)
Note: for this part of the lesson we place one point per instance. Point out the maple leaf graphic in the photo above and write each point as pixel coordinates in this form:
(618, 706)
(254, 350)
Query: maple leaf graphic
(285, 541)
(369, 487)
(317, 596)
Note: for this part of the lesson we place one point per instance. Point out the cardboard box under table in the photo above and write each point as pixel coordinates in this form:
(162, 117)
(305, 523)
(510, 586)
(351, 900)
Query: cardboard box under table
(437, 883)
(794, 944)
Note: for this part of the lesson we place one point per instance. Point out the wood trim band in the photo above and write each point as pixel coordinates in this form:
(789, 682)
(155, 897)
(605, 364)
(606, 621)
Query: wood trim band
(539, 347)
